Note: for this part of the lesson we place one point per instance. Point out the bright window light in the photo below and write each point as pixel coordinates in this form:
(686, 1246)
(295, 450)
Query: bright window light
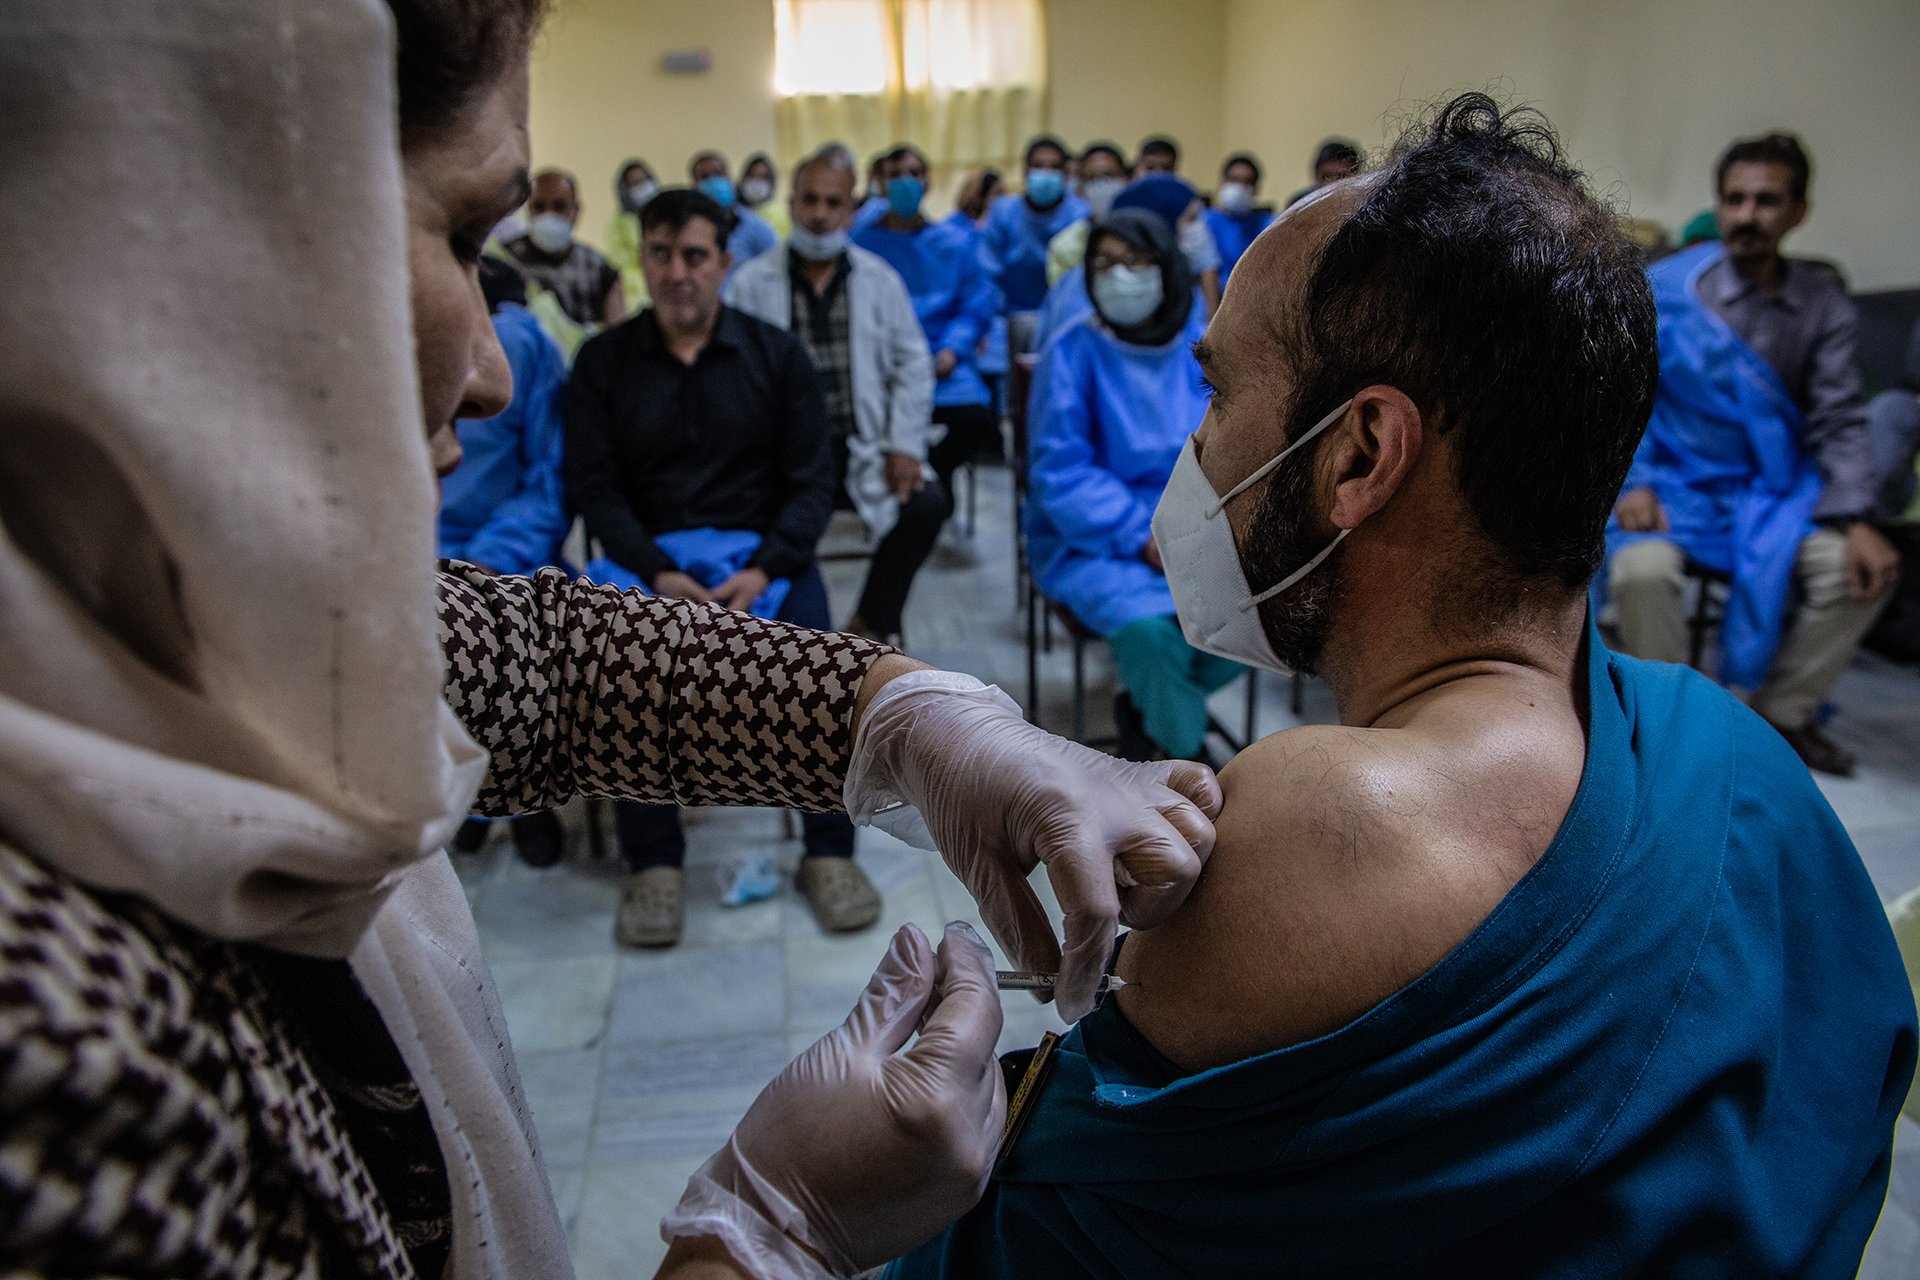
(829, 47)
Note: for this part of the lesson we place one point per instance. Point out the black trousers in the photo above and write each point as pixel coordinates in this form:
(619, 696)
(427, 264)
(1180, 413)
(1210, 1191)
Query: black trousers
(899, 557)
(650, 835)
(973, 431)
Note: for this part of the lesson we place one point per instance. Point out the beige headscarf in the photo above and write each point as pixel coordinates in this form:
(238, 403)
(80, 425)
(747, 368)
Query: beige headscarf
(219, 673)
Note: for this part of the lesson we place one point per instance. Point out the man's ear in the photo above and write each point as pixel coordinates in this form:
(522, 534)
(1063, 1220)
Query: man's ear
(1375, 450)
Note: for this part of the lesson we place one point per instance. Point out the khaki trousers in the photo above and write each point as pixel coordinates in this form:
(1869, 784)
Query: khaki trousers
(1823, 629)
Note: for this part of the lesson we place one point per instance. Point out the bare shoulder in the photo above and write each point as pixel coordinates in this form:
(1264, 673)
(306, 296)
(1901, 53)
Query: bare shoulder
(1349, 861)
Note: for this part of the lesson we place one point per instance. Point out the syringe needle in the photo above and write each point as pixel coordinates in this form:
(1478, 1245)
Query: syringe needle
(1023, 980)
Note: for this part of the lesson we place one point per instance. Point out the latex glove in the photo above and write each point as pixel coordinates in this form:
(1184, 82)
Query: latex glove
(1121, 842)
(858, 1152)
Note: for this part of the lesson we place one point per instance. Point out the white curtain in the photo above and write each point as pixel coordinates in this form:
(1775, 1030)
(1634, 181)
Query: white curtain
(963, 80)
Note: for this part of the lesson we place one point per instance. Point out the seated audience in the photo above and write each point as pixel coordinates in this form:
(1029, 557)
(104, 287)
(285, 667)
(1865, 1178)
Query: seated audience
(1336, 159)
(1758, 462)
(1158, 154)
(696, 451)
(1545, 961)
(1117, 396)
(748, 235)
(955, 303)
(759, 191)
(1018, 230)
(503, 508)
(1102, 176)
(633, 185)
(853, 315)
(581, 280)
(977, 194)
(1234, 218)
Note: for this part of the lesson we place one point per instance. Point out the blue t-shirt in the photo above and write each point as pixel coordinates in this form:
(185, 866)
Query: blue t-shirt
(1233, 232)
(1676, 1048)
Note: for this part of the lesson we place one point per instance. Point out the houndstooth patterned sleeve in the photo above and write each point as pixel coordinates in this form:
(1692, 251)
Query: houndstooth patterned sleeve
(577, 688)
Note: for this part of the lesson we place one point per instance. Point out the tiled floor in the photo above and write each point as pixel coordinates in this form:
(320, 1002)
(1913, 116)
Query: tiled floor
(639, 1063)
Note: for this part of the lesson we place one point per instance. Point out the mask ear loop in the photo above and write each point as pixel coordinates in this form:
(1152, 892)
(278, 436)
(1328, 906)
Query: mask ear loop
(1254, 602)
(1220, 503)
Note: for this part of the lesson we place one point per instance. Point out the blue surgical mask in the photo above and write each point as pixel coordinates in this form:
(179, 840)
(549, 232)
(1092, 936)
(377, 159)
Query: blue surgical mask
(719, 189)
(1045, 187)
(904, 196)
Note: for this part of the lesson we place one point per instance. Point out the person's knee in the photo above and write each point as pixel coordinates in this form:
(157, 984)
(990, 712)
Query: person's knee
(1646, 567)
(1820, 570)
(927, 509)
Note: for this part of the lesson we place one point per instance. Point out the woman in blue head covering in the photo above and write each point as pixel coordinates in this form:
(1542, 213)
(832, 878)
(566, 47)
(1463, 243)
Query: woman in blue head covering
(1117, 396)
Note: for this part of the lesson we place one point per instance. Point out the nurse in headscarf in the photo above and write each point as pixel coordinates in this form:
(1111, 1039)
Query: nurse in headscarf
(1118, 393)
(248, 1026)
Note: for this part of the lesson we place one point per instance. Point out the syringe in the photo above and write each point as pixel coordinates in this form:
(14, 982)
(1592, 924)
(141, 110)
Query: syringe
(1020, 980)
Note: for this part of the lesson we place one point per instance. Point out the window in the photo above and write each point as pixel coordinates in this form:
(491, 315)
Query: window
(963, 79)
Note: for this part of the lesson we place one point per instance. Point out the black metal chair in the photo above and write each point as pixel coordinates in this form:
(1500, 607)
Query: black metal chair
(1709, 608)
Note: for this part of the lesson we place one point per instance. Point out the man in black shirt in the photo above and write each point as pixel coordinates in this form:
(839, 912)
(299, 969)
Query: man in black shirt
(686, 427)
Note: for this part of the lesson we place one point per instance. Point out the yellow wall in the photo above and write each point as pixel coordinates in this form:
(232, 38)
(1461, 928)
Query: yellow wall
(1645, 92)
(1645, 95)
(1117, 68)
(1124, 69)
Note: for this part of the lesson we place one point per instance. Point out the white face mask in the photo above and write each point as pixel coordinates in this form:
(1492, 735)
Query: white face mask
(638, 193)
(1219, 612)
(551, 233)
(817, 246)
(755, 190)
(1196, 241)
(1127, 295)
(1099, 194)
(1234, 197)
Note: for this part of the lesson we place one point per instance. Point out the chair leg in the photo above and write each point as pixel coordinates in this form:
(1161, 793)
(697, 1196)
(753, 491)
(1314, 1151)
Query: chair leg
(973, 495)
(1298, 697)
(1253, 706)
(1079, 691)
(1698, 625)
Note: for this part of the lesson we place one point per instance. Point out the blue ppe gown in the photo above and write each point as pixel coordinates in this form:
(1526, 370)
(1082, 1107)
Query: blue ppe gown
(752, 236)
(952, 296)
(1013, 246)
(1233, 232)
(504, 505)
(1104, 431)
(1724, 454)
(1676, 1048)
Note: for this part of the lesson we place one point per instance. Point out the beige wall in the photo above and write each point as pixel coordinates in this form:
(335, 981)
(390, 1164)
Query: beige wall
(1645, 95)
(1117, 68)
(600, 96)
(1124, 69)
(1645, 92)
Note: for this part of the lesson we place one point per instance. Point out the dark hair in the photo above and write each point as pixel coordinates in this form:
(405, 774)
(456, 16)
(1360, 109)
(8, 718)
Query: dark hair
(1246, 158)
(1774, 148)
(573, 185)
(1481, 278)
(759, 157)
(1336, 149)
(450, 52)
(1044, 140)
(675, 207)
(1160, 145)
(901, 152)
(1104, 148)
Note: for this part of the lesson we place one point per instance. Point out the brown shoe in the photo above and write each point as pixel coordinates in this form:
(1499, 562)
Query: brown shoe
(842, 897)
(1821, 753)
(651, 909)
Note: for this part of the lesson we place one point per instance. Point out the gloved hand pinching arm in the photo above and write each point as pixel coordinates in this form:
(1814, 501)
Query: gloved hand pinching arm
(1121, 842)
(859, 1151)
